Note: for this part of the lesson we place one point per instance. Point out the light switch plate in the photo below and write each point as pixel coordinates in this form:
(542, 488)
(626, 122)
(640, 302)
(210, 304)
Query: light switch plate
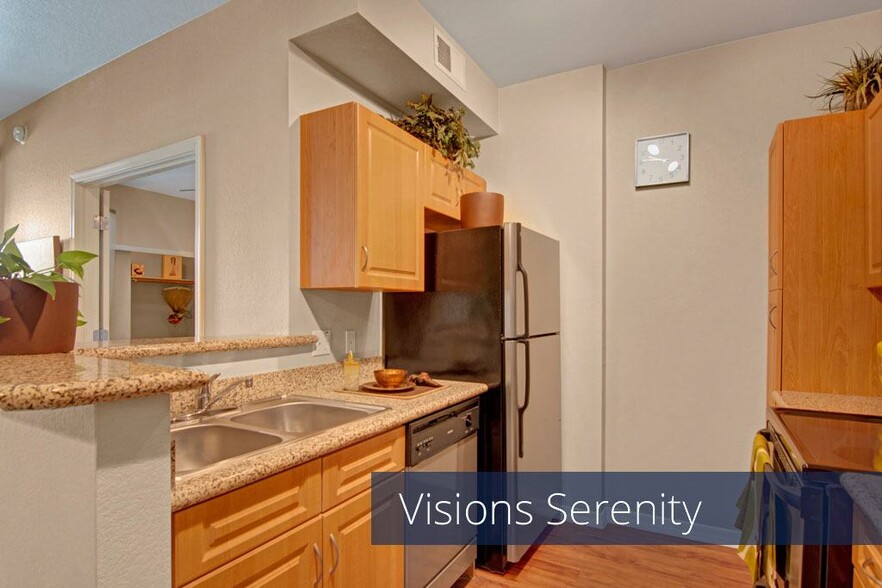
(323, 345)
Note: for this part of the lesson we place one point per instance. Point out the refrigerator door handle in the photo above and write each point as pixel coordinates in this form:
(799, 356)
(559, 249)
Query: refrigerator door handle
(523, 409)
(521, 270)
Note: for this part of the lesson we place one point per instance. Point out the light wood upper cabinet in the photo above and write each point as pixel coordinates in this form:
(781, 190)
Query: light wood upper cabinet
(447, 183)
(873, 132)
(362, 189)
(350, 557)
(776, 210)
(367, 189)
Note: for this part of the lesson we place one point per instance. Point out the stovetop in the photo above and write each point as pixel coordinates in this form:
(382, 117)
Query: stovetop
(823, 441)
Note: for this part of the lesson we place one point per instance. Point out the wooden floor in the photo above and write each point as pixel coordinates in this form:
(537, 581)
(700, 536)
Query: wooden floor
(654, 566)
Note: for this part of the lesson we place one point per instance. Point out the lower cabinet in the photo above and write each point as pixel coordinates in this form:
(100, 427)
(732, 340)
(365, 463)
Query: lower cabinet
(866, 554)
(293, 559)
(350, 559)
(307, 526)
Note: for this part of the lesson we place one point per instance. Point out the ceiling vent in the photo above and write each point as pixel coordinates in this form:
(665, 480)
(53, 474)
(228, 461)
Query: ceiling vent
(450, 59)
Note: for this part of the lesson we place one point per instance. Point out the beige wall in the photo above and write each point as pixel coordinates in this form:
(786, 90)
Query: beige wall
(686, 283)
(152, 220)
(548, 161)
(232, 77)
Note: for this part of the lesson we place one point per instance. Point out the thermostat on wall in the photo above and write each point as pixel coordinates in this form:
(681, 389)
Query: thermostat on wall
(663, 159)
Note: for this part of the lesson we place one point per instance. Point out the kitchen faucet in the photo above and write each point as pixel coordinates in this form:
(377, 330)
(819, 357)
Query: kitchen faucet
(206, 400)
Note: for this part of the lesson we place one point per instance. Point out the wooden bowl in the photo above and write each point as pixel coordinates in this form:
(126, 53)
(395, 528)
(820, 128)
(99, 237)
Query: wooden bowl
(390, 378)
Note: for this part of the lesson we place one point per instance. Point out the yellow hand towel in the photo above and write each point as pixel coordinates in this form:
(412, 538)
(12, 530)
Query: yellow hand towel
(759, 458)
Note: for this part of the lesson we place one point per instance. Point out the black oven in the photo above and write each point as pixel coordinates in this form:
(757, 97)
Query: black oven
(805, 519)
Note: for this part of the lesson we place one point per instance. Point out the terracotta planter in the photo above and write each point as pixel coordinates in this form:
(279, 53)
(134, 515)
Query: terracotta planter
(37, 323)
(481, 209)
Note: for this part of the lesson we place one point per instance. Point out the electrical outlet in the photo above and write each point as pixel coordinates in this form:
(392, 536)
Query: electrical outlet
(350, 341)
(323, 345)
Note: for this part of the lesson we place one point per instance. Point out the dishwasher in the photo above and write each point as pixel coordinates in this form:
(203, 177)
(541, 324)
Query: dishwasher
(445, 441)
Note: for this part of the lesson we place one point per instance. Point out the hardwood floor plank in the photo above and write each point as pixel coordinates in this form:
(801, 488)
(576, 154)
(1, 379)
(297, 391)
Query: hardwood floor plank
(658, 566)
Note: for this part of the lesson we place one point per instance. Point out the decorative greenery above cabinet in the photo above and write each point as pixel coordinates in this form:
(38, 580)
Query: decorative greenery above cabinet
(368, 193)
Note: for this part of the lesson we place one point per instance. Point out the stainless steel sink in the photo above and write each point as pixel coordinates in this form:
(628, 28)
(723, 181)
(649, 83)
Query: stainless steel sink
(258, 426)
(304, 417)
(201, 445)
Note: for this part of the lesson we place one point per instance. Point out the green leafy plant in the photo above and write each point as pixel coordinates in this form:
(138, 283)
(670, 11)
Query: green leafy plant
(14, 267)
(855, 85)
(442, 129)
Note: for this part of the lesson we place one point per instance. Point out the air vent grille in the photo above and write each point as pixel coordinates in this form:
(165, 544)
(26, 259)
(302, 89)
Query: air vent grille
(442, 53)
(450, 59)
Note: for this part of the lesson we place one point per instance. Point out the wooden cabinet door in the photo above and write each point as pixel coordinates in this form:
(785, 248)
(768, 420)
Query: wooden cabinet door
(213, 533)
(776, 210)
(347, 472)
(392, 186)
(774, 341)
(350, 558)
(471, 182)
(874, 191)
(444, 185)
(293, 559)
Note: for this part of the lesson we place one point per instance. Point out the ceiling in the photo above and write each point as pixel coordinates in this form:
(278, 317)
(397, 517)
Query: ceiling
(45, 44)
(169, 182)
(518, 40)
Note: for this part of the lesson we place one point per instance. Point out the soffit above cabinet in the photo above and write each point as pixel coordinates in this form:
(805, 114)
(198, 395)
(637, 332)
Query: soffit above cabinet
(387, 47)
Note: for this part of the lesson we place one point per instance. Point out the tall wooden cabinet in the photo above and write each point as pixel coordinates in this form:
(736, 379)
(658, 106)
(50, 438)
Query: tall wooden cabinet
(823, 322)
(874, 192)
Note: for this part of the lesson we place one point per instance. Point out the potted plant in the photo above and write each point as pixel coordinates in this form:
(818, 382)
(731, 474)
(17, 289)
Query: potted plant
(855, 85)
(38, 308)
(443, 130)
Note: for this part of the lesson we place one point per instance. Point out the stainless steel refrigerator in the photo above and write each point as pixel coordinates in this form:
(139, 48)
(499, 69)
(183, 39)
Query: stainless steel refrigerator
(490, 313)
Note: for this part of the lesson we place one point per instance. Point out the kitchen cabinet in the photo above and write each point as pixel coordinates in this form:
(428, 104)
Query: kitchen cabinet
(354, 560)
(774, 341)
(447, 183)
(362, 188)
(866, 553)
(829, 322)
(776, 209)
(292, 559)
(309, 523)
(873, 129)
(347, 472)
(368, 193)
(212, 534)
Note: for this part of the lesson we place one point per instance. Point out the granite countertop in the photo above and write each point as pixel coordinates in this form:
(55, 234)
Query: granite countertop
(200, 486)
(140, 348)
(836, 403)
(866, 491)
(31, 382)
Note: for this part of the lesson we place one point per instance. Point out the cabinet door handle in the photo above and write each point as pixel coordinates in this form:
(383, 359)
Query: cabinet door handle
(868, 572)
(772, 263)
(320, 567)
(364, 250)
(771, 322)
(336, 554)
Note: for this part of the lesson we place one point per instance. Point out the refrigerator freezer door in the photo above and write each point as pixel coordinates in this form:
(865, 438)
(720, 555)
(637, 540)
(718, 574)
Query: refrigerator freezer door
(531, 274)
(532, 400)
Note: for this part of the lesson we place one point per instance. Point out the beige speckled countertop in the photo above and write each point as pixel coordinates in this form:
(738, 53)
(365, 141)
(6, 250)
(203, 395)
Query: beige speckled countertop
(836, 403)
(30, 382)
(136, 349)
(217, 480)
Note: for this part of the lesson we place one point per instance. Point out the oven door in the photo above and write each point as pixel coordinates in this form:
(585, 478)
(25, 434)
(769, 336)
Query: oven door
(793, 521)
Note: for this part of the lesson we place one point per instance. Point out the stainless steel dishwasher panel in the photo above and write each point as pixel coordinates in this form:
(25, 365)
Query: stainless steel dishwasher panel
(444, 442)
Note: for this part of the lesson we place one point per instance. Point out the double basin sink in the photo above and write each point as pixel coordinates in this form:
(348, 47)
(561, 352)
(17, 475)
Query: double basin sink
(255, 427)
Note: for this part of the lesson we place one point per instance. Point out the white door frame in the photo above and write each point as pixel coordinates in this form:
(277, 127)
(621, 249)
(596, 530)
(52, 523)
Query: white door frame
(85, 190)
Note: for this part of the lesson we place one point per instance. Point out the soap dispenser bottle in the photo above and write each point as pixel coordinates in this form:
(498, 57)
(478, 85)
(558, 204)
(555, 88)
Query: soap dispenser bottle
(351, 368)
